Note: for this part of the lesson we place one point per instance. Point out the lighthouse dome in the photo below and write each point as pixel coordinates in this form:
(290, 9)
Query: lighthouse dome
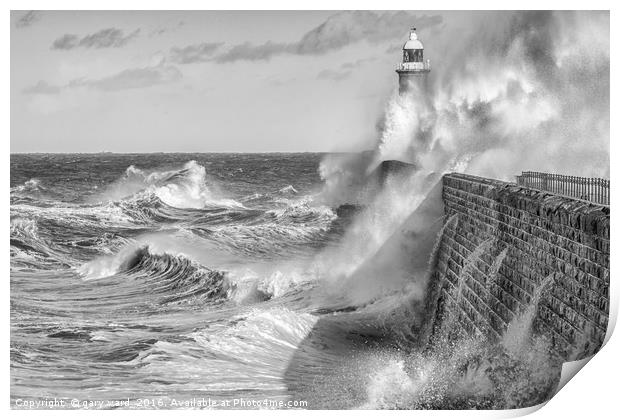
(413, 43)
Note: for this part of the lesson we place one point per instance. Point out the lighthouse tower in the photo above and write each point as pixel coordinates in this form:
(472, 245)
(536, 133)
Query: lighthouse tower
(413, 68)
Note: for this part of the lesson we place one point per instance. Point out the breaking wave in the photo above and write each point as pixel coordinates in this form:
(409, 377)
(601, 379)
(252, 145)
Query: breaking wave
(32, 185)
(185, 188)
(176, 277)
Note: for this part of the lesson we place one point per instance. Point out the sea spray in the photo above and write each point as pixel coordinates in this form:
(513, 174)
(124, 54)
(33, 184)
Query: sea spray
(470, 262)
(491, 276)
(449, 224)
(519, 329)
(490, 280)
(435, 287)
(475, 117)
(390, 388)
(185, 187)
(466, 373)
(491, 112)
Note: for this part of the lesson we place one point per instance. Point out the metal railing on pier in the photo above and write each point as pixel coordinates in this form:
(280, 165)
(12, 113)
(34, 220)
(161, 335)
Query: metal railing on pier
(590, 189)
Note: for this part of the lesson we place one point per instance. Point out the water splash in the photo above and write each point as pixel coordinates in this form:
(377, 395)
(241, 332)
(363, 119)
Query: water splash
(494, 269)
(462, 371)
(472, 259)
(391, 387)
(449, 224)
(480, 110)
(491, 276)
(187, 187)
(519, 329)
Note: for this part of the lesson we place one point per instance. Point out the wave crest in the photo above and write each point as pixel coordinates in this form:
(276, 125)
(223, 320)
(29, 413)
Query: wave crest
(176, 277)
(185, 188)
(31, 185)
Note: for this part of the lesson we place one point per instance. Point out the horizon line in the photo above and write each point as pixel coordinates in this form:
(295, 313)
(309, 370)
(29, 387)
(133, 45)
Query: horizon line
(152, 153)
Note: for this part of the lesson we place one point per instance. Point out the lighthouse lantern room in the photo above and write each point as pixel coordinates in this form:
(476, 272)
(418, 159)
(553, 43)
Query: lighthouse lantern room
(413, 64)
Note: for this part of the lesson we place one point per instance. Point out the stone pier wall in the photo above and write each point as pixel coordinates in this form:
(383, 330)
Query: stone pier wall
(501, 242)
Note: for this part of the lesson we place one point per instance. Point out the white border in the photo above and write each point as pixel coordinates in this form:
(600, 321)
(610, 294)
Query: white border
(593, 394)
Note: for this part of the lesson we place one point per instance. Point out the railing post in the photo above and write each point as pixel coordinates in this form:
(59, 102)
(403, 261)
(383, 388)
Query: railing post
(564, 184)
(551, 179)
(578, 187)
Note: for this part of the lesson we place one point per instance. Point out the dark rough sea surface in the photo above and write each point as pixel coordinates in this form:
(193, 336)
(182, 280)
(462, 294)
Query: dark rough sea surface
(172, 277)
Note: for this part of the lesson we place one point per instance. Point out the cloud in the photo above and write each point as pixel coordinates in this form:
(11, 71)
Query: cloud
(66, 42)
(28, 19)
(346, 28)
(338, 31)
(105, 38)
(160, 30)
(135, 78)
(196, 53)
(251, 52)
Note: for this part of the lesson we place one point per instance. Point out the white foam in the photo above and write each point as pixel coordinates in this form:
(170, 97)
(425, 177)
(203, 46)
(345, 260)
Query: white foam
(249, 284)
(187, 187)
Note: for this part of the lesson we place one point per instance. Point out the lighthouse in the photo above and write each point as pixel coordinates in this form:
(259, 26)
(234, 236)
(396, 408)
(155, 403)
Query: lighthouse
(413, 69)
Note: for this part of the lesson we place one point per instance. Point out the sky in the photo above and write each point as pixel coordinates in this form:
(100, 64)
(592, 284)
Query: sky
(205, 81)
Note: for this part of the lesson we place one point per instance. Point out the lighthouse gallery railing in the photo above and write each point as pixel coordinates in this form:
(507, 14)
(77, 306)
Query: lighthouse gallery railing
(414, 66)
(590, 189)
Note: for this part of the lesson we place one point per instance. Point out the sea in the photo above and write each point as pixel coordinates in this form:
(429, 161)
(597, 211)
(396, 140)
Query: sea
(199, 280)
